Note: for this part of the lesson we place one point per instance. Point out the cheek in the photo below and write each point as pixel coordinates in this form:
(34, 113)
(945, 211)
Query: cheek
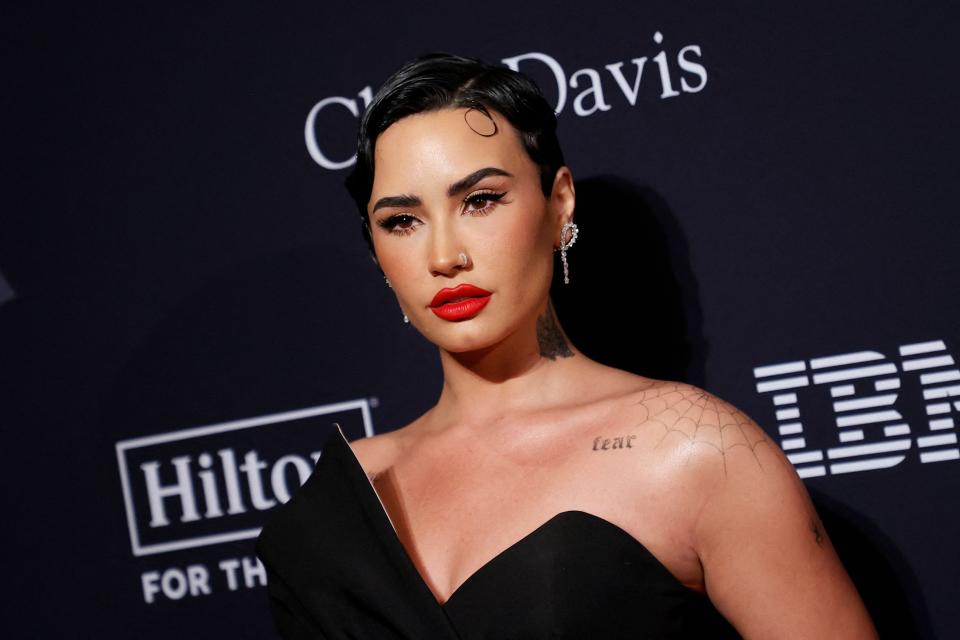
(525, 237)
(521, 249)
(394, 257)
(399, 266)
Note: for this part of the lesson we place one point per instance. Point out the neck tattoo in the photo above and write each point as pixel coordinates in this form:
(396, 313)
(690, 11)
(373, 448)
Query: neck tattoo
(550, 338)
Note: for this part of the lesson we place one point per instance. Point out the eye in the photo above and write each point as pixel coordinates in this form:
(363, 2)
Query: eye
(401, 224)
(480, 203)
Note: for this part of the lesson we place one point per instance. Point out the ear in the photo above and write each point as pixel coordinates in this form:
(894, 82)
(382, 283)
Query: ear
(563, 200)
(368, 238)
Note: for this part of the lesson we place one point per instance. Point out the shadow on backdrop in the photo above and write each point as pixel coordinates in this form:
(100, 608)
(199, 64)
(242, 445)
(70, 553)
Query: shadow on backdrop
(632, 301)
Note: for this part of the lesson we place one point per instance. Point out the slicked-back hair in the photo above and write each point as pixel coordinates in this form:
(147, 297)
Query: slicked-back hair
(437, 81)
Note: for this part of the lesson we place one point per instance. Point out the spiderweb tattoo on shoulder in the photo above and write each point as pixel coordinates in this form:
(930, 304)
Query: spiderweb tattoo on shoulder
(707, 424)
(701, 419)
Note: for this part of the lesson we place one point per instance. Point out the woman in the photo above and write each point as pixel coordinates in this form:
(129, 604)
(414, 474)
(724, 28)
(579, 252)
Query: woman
(545, 495)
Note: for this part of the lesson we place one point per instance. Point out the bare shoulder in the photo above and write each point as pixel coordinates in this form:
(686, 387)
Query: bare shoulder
(682, 439)
(696, 432)
(706, 451)
(377, 453)
(753, 526)
(735, 467)
(767, 562)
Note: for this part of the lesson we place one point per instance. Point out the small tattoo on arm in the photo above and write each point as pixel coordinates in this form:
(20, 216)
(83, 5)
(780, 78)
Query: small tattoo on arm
(618, 442)
(817, 532)
(550, 338)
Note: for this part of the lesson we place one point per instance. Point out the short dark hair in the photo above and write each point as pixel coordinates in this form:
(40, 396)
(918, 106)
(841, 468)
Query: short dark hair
(441, 80)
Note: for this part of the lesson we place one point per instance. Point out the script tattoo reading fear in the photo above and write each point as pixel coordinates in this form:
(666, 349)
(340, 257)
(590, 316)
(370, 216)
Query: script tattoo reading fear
(617, 442)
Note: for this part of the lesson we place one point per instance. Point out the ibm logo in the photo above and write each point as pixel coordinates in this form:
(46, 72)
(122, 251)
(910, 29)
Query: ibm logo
(213, 484)
(864, 388)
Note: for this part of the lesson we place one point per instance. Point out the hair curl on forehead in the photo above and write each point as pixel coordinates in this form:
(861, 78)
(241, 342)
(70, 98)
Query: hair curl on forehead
(486, 129)
(441, 80)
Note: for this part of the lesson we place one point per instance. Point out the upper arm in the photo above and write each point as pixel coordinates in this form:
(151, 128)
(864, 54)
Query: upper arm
(768, 564)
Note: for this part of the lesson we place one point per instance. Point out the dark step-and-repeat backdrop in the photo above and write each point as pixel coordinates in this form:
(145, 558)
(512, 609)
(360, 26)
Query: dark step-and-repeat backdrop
(186, 304)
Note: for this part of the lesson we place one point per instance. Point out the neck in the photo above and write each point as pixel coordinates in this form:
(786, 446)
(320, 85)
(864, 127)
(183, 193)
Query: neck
(520, 374)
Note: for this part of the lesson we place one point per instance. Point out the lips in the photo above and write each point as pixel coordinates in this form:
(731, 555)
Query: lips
(459, 303)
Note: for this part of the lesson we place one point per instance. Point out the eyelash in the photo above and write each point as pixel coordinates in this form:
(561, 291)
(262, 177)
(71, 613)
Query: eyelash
(488, 196)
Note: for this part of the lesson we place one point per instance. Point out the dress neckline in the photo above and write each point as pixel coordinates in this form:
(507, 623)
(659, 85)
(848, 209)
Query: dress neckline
(496, 559)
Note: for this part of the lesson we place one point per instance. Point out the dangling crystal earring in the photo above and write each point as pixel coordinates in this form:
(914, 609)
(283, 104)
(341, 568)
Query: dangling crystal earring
(569, 231)
(406, 320)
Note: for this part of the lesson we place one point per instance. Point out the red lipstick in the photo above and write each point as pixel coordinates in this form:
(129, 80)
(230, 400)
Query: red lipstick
(460, 303)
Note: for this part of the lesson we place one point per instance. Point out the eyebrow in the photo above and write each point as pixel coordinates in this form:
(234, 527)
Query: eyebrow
(457, 187)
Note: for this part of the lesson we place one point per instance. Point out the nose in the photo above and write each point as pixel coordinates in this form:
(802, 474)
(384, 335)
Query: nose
(446, 254)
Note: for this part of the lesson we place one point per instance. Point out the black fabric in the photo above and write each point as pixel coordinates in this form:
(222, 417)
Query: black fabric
(337, 570)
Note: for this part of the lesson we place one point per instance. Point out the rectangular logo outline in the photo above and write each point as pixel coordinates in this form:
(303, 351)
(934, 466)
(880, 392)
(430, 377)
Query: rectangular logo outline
(123, 446)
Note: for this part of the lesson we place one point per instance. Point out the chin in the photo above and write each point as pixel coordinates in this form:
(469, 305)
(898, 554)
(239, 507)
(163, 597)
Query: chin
(465, 344)
(464, 337)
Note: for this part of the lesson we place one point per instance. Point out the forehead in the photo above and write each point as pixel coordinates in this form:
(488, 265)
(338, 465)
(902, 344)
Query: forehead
(429, 151)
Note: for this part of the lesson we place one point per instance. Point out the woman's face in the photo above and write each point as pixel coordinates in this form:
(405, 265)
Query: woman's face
(451, 207)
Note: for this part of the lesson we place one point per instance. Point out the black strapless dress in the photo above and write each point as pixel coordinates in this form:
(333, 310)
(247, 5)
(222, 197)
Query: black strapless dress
(336, 570)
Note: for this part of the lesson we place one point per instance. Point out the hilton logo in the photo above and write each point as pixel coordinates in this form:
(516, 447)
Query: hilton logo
(213, 484)
(867, 403)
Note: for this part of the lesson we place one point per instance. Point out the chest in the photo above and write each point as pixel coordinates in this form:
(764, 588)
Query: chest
(459, 510)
